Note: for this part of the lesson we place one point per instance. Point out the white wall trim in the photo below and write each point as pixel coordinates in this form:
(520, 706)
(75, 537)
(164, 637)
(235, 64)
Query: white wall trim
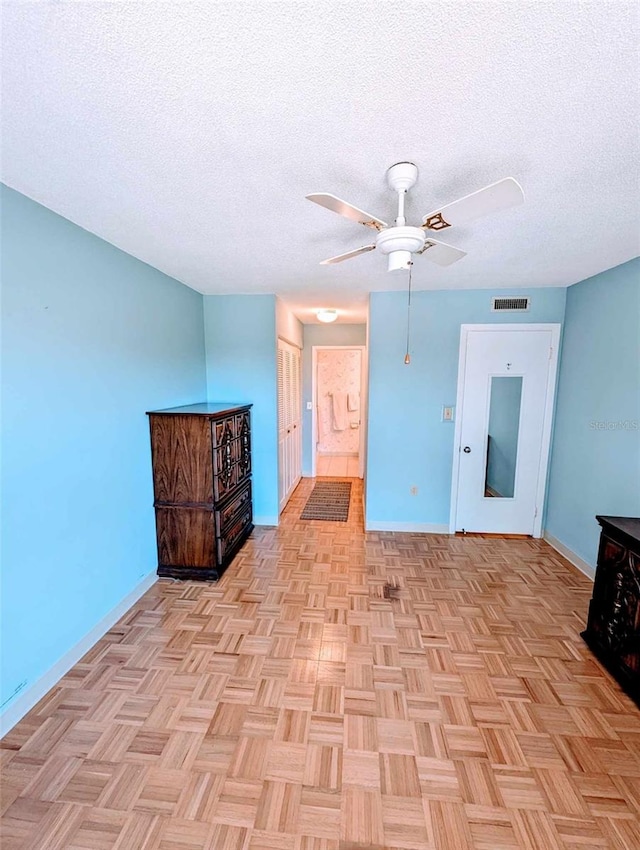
(266, 520)
(578, 562)
(23, 703)
(415, 527)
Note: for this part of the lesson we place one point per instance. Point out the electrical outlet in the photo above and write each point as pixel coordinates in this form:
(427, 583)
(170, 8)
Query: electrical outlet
(309, 405)
(447, 414)
(414, 491)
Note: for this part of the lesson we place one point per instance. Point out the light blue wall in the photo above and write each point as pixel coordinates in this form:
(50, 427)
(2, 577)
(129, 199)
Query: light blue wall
(240, 332)
(504, 426)
(321, 335)
(91, 339)
(595, 462)
(409, 446)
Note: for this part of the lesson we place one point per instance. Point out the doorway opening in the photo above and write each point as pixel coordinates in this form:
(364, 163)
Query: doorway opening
(338, 430)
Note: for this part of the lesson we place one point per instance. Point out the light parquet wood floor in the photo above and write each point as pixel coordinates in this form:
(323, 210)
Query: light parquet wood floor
(337, 466)
(300, 705)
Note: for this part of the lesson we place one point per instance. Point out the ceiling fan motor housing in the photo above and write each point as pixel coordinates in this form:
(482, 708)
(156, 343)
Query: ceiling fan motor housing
(400, 243)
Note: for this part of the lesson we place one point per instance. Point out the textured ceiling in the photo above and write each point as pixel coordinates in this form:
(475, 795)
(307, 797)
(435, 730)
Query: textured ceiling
(188, 134)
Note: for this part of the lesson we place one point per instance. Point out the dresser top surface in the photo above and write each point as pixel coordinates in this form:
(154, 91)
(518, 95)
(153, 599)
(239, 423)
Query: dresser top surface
(204, 408)
(628, 525)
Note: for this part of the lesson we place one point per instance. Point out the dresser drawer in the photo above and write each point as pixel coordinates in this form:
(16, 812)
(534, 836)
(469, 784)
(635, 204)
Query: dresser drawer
(224, 457)
(225, 483)
(235, 534)
(224, 430)
(231, 477)
(242, 424)
(244, 469)
(237, 505)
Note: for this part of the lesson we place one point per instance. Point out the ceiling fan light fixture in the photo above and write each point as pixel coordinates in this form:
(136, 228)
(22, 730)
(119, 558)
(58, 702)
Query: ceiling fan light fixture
(399, 260)
(327, 316)
(399, 243)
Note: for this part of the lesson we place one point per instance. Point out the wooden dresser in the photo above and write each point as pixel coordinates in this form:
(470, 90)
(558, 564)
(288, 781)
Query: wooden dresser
(613, 625)
(201, 456)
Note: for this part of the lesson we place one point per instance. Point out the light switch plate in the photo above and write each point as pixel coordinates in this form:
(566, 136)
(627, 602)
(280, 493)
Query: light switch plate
(309, 405)
(447, 414)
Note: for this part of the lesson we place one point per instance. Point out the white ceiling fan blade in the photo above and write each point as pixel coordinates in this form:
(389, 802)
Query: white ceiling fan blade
(498, 196)
(347, 256)
(441, 253)
(334, 204)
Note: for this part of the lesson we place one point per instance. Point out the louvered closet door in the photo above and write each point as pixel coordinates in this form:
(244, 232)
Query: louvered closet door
(282, 471)
(289, 420)
(296, 368)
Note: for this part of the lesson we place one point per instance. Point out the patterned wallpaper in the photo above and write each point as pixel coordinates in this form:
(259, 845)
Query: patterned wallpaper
(338, 372)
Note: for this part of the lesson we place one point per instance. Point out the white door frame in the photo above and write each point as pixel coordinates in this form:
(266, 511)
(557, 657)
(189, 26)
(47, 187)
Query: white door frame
(546, 426)
(364, 372)
(283, 498)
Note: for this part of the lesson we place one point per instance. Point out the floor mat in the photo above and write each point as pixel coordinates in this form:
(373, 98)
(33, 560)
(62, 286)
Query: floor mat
(329, 500)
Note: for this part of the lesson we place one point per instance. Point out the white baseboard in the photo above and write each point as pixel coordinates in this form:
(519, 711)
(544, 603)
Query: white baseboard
(570, 555)
(415, 527)
(265, 520)
(23, 703)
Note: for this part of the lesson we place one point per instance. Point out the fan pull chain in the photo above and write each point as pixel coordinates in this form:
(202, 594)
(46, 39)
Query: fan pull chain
(407, 357)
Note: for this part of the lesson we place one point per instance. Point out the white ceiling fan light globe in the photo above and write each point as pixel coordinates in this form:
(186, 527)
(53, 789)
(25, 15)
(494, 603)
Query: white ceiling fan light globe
(327, 316)
(399, 261)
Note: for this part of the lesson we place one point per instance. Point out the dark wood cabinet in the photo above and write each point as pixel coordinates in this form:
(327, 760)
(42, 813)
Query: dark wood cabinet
(201, 456)
(613, 625)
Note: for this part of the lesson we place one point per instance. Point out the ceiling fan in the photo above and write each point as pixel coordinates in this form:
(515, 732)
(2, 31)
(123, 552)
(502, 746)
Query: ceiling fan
(399, 241)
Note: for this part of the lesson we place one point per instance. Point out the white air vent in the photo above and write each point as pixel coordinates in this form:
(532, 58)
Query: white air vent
(514, 304)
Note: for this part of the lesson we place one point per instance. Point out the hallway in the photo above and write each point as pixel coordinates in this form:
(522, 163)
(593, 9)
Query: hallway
(337, 690)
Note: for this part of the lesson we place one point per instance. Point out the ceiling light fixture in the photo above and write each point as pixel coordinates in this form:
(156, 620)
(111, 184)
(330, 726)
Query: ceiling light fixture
(327, 315)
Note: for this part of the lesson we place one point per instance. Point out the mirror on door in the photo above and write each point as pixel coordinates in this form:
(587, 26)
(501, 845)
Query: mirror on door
(502, 438)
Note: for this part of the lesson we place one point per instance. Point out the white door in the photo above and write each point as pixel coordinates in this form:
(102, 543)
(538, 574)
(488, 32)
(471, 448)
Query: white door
(505, 399)
(289, 421)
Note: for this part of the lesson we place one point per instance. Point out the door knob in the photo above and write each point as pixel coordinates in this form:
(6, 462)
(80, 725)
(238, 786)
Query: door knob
(466, 450)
